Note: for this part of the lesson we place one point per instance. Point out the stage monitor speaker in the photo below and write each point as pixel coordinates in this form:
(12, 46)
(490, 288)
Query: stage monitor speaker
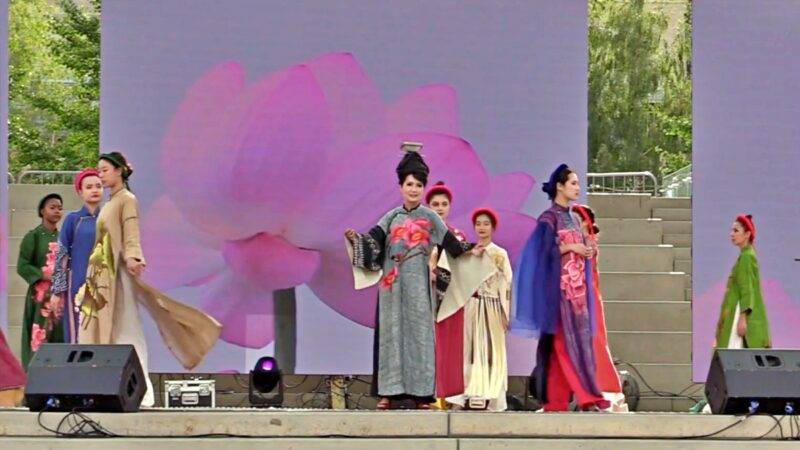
(746, 381)
(66, 377)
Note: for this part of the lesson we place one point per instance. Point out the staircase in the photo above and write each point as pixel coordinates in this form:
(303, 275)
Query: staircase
(645, 272)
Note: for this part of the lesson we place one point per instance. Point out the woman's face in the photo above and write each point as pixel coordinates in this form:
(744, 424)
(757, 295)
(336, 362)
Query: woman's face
(739, 236)
(91, 189)
(441, 205)
(52, 211)
(483, 227)
(571, 189)
(110, 176)
(411, 189)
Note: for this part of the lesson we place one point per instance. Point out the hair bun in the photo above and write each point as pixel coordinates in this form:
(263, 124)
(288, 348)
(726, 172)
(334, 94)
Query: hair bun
(546, 187)
(439, 183)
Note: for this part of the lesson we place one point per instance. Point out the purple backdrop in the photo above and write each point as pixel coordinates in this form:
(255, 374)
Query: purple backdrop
(3, 163)
(260, 130)
(746, 153)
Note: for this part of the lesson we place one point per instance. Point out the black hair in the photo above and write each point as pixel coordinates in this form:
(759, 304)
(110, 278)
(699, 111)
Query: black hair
(45, 199)
(119, 161)
(561, 175)
(422, 177)
(590, 213)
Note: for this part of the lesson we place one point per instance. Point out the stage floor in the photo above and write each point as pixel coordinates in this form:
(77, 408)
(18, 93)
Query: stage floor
(424, 430)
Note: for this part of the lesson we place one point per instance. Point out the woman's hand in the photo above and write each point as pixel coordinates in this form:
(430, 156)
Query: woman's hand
(350, 234)
(741, 326)
(581, 250)
(135, 267)
(477, 250)
(56, 301)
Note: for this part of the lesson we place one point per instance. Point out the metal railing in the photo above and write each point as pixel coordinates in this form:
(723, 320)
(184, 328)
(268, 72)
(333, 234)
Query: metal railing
(678, 183)
(47, 177)
(623, 183)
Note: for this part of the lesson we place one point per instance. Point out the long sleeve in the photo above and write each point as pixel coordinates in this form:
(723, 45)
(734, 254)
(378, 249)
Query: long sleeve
(61, 273)
(131, 238)
(508, 274)
(26, 265)
(536, 296)
(746, 281)
(369, 249)
(441, 235)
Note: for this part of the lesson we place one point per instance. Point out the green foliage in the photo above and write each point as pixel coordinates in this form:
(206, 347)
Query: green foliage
(640, 89)
(54, 91)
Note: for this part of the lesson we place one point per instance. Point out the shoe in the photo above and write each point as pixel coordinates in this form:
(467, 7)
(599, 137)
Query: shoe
(384, 404)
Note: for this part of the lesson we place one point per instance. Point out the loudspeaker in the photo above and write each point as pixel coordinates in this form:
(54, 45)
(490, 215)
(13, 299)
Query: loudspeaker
(754, 381)
(64, 377)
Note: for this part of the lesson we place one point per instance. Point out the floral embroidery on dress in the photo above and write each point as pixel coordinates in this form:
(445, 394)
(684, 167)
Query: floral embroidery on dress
(573, 272)
(38, 336)
(413, 233)
(389, 279)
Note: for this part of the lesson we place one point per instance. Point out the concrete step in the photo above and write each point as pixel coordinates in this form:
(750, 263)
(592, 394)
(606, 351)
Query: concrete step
(22, 220)
(678, 240)
(688, 294)
(621, 206)
(683, 253)
(642, 258)
(670, 347)
(13, 248)
(677, 226)
(661, 286)
(400, 425)
(620, 426)
(648, 316)
(673, 214)
(672, 202)
(683, 265)
(16, 285)
(654, 403)
(343, 443)
(27, 196)
(14, 338)
(675, 379)
(16, 306)
(630, 231)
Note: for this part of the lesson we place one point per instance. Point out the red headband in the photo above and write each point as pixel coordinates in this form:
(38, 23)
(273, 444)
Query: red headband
(585, 214)
(439, 189)
(489, 212)
(744, 220)
(84, 173)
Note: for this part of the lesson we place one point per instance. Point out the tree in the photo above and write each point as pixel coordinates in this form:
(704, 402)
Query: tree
(54, 70)
(639, 89)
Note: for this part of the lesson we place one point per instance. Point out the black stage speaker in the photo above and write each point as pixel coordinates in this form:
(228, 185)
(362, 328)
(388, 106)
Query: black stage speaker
(754, 381)
(64, 377)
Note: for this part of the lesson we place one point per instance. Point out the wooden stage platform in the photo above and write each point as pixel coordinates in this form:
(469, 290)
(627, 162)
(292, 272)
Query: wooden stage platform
(235, 429)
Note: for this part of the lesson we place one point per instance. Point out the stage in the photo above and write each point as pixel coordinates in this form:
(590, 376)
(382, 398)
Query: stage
(430, 430)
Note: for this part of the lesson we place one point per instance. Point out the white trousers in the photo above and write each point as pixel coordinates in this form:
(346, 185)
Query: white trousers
(128, 326)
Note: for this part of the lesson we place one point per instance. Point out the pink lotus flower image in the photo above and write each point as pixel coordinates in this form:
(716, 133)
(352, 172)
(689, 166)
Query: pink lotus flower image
(261, 180)
(783, 314)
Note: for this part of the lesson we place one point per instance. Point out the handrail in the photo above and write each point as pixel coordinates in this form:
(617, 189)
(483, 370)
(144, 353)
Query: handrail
(678, 183)
(623, 183)
(47, 177)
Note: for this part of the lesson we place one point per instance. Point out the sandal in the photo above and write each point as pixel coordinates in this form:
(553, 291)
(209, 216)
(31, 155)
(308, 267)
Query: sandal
(384, 403)
(422, 404)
